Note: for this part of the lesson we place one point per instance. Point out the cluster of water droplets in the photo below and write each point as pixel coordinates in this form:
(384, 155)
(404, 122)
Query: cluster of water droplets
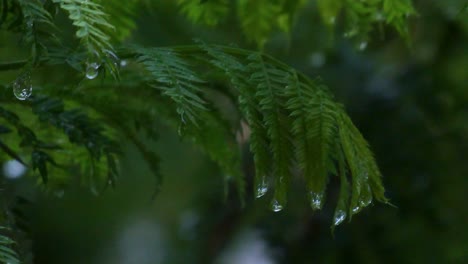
(261, 189)
(22, 87)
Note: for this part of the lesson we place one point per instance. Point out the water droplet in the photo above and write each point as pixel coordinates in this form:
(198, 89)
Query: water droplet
(276, 206)
(363, 45)
(123, 63)
(22, 87)
(92, 70)
(366, 197)
(332, 20)
(356, 209)
(262, 188)
(339, 217)
(316, 200)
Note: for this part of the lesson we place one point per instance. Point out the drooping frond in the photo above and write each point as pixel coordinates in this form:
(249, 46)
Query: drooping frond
(270, 83)
(315, 127)
(366, 177)
(237, 74)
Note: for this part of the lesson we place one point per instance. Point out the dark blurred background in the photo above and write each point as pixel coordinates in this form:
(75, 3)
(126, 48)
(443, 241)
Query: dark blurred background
(409, 100)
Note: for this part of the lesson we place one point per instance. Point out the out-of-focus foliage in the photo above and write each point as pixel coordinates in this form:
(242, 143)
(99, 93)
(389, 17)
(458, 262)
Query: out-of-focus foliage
(260, 19)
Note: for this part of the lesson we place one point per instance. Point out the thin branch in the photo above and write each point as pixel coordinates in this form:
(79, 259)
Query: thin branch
(13, 65)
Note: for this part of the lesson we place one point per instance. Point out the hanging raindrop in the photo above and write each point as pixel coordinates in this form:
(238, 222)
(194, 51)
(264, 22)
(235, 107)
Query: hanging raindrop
(339, 217)
(262, 188)
(366, 197)
(276, 206)
(356, 209)
(22, 87)
(92, 70)
(316, 200)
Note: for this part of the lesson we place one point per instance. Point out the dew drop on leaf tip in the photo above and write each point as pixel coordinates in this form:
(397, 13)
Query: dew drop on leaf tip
(339, 217)
(356, 209)
(316, 200)
(276, 206)
(262, 188)
(22, 87)
(92, 70)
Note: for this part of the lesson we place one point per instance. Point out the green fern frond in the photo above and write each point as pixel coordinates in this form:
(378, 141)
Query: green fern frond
(174, 77)
(314, 127)
(293, 119)
(7, 255)
(366, 177)
(237, 75)
(206, 12)
(34, 21)
(270, 83)
(92, 24)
